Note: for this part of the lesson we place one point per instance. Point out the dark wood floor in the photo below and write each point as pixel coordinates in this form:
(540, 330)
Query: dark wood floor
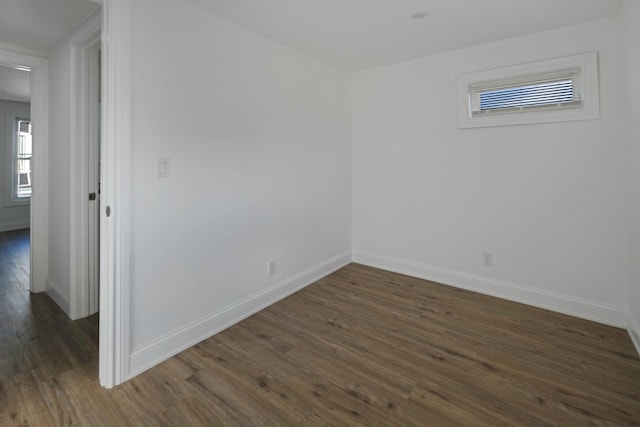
(360, 347)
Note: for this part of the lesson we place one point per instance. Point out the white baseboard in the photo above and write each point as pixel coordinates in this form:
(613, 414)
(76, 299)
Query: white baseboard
(566, 304)
(201, 329)
(14, 225)
(53, 291)
(634, 331)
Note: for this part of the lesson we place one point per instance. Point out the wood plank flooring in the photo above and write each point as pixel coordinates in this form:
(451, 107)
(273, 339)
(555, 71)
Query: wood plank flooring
(359, 347)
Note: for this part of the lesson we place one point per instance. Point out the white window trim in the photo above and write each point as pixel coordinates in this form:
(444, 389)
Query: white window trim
(587, 63)
(11, 200)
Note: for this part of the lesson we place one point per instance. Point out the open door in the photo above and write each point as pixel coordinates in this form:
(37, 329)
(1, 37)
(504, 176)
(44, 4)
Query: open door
(85, 152)
(93, 178)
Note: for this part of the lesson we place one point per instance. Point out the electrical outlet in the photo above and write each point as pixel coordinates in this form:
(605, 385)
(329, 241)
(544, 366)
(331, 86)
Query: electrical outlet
(487, 258)
(164, 168)
(271, 267)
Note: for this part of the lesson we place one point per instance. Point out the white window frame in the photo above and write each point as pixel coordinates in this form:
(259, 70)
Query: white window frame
(586, 66)
(12, 199)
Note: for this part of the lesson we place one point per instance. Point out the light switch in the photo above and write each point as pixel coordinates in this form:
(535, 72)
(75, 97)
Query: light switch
(163, 168)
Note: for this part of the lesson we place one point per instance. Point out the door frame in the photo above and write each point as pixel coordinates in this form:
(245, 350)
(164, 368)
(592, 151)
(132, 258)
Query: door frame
(83, 101)
(115, 192)
(114, 347)
(39, 233)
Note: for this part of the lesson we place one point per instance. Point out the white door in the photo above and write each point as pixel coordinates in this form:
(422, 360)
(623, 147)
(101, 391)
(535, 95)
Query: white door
(93, 162)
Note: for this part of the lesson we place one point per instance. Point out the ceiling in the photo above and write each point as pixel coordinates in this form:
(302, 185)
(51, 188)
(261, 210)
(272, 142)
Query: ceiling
(15, 85)
(351, 34)
(360, 34)
(39, 25)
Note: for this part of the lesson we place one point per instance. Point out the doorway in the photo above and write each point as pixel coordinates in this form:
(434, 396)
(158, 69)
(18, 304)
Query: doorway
(114, 323)
(37, 177)
(16, 152)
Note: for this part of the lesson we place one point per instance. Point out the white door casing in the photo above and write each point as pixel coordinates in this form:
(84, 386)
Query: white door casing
(115, 193)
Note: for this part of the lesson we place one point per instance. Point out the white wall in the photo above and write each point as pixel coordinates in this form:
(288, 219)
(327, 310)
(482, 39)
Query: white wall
(11, 217)
(631, 88)
(547, 200)
(258, 137)
(59, 131)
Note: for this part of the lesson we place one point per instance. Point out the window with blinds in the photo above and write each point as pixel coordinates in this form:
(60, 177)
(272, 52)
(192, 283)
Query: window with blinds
(24, 153)
(556, 90)
(548, 91)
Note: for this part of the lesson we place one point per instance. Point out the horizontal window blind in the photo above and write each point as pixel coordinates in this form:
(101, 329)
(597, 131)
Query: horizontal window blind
(561, 89)
(24, 126)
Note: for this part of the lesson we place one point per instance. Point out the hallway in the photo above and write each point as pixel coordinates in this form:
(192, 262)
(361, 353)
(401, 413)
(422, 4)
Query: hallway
(37, 340)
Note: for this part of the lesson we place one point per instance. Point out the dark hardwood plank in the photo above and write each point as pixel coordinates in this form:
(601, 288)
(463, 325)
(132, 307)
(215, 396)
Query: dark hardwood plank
(359, 347)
